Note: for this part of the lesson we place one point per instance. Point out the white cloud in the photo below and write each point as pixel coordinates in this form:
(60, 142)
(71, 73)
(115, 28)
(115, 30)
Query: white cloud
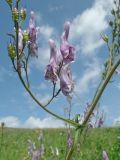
(89, 77)
(43, 58)
(32, 122)
(46, 31)
(87, 27)
(10, 121)
(49, 122)
(116, 122)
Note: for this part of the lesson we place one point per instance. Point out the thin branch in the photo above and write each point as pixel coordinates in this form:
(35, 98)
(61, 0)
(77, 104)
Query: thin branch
(54, 96)
(26, 69)
(71, 150)
(54, 87)
(43, 107)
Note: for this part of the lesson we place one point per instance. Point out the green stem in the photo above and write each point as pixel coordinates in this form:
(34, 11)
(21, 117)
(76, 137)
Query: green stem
(69, 155)
(97, 90)
(42, 106)
(94, 103)
(1, 144)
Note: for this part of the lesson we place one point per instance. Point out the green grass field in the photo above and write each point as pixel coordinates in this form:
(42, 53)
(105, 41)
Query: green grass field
(15, 147)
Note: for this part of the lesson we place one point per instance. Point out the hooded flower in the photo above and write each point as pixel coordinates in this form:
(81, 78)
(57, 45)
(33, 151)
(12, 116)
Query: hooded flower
(100, 122)
(55, 60)
(32, 33)
(51, 72)
(69, 140)
(117, 72)
(55, 55)
(66, 83)
(58, 66)
(20, 40)
(105, 156)
(32, 151)
(67, 50)
(36, 155)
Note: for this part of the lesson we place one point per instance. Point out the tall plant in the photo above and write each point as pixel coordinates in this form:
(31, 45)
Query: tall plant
(24, 46)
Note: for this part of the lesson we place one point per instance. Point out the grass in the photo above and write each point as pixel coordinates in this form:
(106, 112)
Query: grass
(14, 145)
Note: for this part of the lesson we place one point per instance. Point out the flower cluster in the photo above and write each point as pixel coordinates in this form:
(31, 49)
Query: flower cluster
(33, 152)
(59, 63)
(32, 34)
(28, 37)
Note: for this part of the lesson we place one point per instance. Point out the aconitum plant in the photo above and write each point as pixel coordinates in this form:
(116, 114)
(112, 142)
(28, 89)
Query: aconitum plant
(24, 46)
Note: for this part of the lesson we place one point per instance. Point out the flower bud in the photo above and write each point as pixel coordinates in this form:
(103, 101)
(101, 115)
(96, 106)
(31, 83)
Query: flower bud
(25, 37)
(15, 14)
(113, 12)
(104, 75)
(111, 23)
(114, 33)
(106, 63)
(116, 44)
(118, 22)
(9, 2)
(23, 13)
(11, 51)
(105, 38)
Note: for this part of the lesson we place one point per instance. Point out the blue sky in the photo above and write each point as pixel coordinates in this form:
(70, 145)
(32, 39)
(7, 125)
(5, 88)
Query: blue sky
(88, 21)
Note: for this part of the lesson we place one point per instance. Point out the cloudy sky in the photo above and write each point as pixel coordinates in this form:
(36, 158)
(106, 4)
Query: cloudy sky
(89, 20)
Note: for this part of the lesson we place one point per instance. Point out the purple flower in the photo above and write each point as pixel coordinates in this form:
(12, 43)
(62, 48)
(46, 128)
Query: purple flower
(117, 72)
(51, 72)
(33, 32)
(66, 83)
(20, 40)
(31, 147)
(90, 125)
(58, 66)
(55, 60)
(55, 55)
(67, 50)
(69, 140)
(32, 151)
(36, 155)
(100, 122)
(105, 156)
